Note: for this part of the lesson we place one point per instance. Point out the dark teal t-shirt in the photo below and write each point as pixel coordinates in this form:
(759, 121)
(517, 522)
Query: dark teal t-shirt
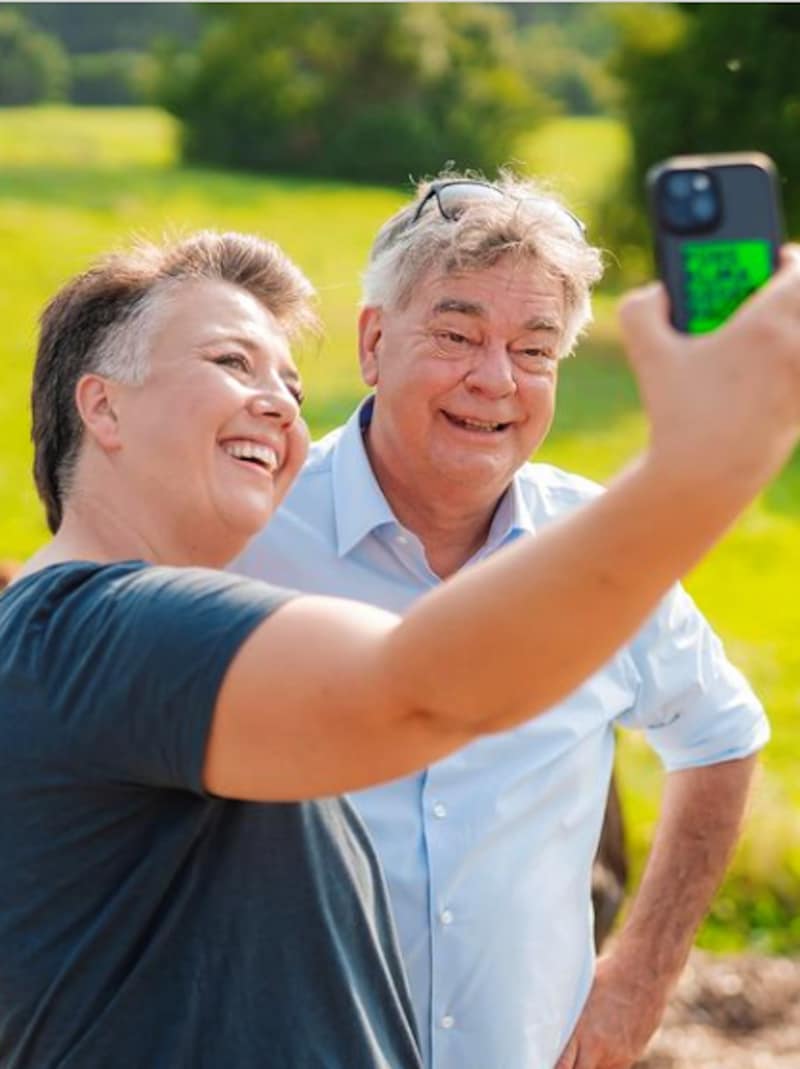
(144, 923)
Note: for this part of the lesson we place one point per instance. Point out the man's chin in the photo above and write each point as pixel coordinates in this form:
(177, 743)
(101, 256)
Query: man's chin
(475, 472)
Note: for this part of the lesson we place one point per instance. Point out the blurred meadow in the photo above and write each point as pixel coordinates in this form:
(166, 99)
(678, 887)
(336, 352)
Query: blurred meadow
(77, 182)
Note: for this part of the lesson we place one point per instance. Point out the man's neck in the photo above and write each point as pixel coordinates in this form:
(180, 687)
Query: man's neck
(451, 523)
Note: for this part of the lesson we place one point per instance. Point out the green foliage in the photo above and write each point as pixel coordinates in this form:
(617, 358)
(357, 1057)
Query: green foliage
(33, 66)
(370, 92)
(566, 57)
(111, 78)
(104, 27)
(712, 78)
(578, 83)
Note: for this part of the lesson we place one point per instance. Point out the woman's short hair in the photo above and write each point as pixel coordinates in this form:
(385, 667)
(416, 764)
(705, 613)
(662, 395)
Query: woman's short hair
(526, 222)
(103, 320)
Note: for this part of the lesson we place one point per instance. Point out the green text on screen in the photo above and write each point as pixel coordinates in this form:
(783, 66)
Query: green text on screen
(718, 275)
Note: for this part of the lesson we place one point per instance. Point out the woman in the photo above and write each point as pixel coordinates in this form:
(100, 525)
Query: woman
(171, 895)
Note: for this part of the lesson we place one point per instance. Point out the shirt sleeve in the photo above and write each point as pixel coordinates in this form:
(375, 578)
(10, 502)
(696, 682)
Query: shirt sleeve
(693, 705)
(132, 664)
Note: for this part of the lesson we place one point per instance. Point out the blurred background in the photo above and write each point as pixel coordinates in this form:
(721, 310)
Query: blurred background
(304, 122)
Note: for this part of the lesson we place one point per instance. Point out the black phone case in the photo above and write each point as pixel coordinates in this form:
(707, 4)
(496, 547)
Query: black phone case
(751, 209)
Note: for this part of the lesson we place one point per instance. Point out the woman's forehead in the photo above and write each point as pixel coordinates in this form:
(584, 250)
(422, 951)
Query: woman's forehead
(206, 312)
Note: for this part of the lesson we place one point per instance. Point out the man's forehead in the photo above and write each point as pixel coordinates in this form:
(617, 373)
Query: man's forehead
(535, 297)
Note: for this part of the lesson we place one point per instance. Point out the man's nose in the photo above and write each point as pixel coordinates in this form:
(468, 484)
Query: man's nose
(492, 372)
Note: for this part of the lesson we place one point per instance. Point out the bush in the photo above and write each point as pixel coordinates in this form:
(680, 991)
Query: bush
(110, 78)
(576, 81)
(33, 66)
(713, 78)
(371, 92)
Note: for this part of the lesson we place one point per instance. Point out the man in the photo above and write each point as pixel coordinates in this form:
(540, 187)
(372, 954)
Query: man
(472, 295)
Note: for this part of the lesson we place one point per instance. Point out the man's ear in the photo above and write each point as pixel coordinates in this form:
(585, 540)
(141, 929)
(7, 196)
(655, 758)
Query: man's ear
(96, 401)
(370, 333)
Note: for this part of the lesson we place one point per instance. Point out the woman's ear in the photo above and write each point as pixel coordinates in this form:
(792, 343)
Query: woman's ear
(96, 401)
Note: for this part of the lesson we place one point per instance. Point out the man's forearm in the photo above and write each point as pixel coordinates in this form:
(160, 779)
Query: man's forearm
(701, 817)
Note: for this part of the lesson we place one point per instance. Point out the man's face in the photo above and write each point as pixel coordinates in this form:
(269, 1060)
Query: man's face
(213, 437)
(465, 378)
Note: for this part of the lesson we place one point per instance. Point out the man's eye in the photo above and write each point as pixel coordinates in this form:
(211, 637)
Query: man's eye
(538, 357)
(452, 339)
(234, 360)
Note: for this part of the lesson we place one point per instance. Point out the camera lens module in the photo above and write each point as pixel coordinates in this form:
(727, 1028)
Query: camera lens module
(689, 202)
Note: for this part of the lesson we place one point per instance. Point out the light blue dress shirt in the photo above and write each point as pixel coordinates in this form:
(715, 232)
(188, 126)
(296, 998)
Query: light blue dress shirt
(488, 853)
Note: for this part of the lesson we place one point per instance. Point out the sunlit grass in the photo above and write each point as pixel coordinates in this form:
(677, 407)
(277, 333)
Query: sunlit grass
(76, 183)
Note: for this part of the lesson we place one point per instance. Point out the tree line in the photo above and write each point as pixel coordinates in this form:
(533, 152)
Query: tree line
(374, 92)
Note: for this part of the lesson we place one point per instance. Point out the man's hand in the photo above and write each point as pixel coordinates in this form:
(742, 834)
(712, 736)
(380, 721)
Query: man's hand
(619, 1017)
(700, 818)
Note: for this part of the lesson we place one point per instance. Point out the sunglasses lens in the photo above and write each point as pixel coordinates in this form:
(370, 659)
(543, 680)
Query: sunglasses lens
(455, 196)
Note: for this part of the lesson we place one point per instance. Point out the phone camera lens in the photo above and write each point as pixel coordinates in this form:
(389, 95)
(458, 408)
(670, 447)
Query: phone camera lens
(679, 185)
(704, 207)
(689, 202)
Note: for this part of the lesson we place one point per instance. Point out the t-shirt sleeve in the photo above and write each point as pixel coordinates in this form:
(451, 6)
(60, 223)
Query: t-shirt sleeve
(132, 665)
(694, 706)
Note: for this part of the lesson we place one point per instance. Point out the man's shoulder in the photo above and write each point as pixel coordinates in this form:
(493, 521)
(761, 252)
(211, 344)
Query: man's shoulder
(319, 461)
(555, 490)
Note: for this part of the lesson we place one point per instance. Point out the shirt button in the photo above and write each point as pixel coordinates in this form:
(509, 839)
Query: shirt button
(446, 916)
(440, 810)
(401, 540)
(447, 1021)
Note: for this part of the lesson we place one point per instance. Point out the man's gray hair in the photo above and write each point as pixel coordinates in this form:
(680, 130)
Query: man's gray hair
(528, 222)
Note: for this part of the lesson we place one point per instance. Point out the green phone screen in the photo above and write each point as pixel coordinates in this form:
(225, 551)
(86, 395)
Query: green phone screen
(718, 276)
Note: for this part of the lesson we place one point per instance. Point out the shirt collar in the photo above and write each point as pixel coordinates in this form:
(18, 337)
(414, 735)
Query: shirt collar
(358, 501)
(512, 517)
(360, 506)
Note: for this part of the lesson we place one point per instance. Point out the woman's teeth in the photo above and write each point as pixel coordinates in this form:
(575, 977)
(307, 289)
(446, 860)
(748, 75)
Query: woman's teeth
(262, 454)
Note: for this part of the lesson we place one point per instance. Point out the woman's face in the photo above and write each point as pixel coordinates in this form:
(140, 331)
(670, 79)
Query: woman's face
(212, 439)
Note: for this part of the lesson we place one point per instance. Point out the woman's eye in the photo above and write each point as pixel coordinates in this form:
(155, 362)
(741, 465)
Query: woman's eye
(234, 360)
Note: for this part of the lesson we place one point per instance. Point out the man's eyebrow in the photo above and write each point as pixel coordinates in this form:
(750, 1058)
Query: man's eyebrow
(543, 323)
(473, 308)
(453, 304)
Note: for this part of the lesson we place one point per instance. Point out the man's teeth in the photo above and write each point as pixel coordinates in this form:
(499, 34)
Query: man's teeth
(253, 451)
(476, 424)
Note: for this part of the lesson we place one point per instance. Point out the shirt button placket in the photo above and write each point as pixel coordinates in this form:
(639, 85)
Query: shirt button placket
(441, 917)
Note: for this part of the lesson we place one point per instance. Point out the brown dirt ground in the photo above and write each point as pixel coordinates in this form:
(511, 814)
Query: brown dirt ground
(739, 1012)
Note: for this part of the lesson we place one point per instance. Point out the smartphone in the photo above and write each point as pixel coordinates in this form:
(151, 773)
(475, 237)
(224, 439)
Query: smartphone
(718, 228)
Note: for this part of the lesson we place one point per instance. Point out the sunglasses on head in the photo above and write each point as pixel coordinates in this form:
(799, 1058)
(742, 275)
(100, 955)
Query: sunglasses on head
(453, 195)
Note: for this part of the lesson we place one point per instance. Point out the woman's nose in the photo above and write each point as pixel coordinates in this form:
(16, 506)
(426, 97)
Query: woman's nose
(278, 404)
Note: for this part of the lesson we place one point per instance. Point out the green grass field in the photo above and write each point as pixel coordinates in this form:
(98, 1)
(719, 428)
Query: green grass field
(76, 183)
